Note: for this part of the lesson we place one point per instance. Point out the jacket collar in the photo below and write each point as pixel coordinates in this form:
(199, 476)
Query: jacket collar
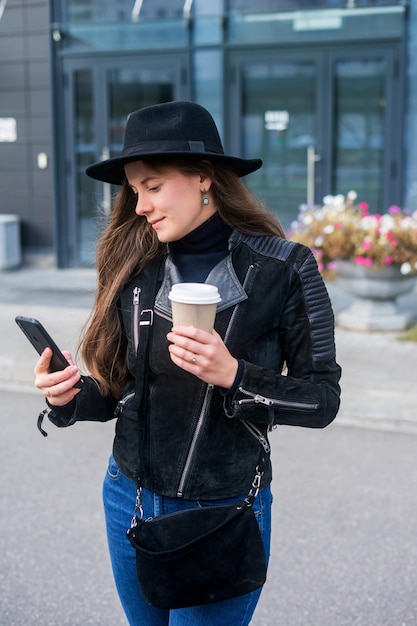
(222, 275)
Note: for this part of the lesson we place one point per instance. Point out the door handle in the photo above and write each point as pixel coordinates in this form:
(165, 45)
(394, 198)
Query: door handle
(106, 199)
(312, 159)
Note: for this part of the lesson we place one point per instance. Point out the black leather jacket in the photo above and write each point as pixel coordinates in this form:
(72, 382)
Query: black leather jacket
(196, 441)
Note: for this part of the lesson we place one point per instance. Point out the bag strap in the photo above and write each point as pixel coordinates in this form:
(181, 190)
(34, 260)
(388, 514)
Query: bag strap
(256, 483)
(145, 325)
(138, 512)
(146, 319)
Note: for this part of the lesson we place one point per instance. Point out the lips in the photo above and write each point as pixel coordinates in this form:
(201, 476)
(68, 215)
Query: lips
(155, 223)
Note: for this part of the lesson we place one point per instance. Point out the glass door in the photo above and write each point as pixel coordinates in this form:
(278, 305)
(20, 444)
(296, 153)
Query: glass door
(100, 97)
(278, 100)
(366, 126)
(323, 123)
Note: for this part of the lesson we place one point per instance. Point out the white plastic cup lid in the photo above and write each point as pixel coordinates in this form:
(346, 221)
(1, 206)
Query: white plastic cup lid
(194, 293)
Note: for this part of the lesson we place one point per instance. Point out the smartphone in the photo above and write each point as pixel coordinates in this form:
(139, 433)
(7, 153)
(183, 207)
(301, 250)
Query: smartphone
(40, 339)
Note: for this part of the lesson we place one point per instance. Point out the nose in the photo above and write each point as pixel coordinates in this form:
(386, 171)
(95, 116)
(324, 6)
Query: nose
(143, 205)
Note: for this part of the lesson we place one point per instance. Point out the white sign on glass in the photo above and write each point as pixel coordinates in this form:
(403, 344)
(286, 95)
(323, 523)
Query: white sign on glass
(276, 120)
(8, 129)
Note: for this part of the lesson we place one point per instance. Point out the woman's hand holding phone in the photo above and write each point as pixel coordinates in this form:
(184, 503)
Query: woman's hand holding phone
(57, 387)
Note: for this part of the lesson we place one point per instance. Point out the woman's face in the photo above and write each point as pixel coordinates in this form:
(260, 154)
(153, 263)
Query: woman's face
(171, 201)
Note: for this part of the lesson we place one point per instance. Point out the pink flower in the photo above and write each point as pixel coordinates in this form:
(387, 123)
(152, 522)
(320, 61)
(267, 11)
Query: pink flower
(388, 260)
(394, 210)
(364, 206)
(362, 260)
(366, 245)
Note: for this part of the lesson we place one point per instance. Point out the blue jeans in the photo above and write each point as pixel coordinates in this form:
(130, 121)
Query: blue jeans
(119, 495)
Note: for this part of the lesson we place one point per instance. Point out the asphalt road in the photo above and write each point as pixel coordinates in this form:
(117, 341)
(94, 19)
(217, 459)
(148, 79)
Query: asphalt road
(344, 534)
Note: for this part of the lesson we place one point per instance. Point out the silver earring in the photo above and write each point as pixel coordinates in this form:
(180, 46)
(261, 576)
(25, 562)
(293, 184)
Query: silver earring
(205, 199)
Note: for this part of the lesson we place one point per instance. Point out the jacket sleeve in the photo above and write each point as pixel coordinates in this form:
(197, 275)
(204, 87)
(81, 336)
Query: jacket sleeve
(88, 405)
(308, 393)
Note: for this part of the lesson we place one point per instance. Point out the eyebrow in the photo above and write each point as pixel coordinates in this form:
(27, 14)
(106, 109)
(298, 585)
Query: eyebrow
(144, 181)
(148, 178)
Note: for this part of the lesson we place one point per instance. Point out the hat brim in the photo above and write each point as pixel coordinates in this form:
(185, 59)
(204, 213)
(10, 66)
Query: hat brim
(112, 170)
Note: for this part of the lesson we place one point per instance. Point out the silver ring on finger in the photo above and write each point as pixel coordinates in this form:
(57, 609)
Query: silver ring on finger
(193, 359)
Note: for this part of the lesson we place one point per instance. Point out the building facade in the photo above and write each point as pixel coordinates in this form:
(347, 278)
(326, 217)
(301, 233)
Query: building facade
(324, 91)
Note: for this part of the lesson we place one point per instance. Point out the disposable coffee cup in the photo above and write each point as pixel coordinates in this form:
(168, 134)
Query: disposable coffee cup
(194, 304)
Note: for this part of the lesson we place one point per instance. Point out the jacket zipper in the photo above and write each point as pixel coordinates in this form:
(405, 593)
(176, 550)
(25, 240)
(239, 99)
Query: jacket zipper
(204, 408)
(196, 436)
(232, 319)
(258, 399)
(135, 318)
(121, 404)
(255, 432)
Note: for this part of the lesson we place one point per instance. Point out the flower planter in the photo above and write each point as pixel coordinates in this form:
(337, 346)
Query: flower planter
(344, 229)
(376, 291)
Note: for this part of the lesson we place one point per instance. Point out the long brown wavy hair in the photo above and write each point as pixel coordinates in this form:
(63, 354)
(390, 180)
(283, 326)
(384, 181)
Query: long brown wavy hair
(129, 243)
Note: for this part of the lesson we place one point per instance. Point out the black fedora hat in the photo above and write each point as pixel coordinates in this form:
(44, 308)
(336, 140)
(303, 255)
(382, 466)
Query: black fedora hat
(171, 129)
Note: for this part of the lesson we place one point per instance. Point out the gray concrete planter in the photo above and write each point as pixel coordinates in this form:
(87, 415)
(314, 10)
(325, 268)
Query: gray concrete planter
(375, 291)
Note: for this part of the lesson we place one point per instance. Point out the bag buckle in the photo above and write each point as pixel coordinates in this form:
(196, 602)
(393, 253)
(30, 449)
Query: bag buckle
(138, 512)
(255, 487)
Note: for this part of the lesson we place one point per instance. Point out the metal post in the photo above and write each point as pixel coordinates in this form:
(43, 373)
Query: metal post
(2, 7)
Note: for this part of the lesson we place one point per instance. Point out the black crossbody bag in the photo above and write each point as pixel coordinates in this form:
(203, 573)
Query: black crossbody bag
(200, 555)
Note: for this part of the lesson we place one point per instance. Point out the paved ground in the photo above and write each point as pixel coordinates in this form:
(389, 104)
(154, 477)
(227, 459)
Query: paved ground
(343, 537)
(344, 550)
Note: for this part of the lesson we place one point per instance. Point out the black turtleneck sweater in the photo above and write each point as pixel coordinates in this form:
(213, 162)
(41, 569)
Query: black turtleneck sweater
(197, 253)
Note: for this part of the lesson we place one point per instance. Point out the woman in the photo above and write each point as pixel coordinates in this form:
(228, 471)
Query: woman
(183, 215)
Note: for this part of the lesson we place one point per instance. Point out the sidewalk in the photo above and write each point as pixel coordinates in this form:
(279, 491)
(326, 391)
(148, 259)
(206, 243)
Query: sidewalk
(379, 388)
(60, 299)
